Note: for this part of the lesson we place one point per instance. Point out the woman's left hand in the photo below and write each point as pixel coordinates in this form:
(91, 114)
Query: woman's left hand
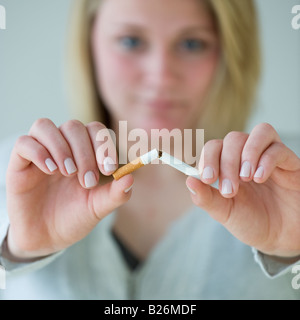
(258, 199)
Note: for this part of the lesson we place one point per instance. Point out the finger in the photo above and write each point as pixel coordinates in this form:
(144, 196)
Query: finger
(104, 147)
(261, 137)
(77, 136)
(230, 163)
(27, 151)
(277, 155)
(106, 198)
(209, 199)
(47, 134)
(210, 161)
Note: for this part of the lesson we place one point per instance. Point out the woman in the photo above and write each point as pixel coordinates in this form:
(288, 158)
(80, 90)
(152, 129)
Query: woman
(74, 233)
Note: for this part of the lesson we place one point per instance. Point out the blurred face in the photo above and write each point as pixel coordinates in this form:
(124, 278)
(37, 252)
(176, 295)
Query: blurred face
(155, 60)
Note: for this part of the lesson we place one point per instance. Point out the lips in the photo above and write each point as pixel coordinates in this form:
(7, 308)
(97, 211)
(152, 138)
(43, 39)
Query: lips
(161, 104)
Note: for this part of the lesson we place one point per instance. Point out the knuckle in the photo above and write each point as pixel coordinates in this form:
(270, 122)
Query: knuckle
(41, 123)
(96, 124)
(280, 146)
(37, 153)
(72, 125)
(233, 136)
(211, 147)
(96, 130)
(200, 202)
(214, 143)
(21, 141)
(265, 126)
(105, 135)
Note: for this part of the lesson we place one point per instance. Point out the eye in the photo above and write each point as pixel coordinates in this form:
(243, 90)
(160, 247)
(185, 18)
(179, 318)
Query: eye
(192, 45)
(130, 43)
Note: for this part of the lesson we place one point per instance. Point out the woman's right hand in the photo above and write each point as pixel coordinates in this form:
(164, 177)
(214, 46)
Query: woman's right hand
(54, 198)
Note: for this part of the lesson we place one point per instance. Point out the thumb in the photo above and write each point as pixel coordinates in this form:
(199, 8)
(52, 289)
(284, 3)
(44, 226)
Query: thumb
(209, 199)
(106, 198)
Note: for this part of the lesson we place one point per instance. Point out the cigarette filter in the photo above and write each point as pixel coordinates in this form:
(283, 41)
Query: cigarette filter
(136, 164)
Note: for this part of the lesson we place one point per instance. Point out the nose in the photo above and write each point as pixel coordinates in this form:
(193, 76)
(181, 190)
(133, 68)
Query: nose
(161, 70)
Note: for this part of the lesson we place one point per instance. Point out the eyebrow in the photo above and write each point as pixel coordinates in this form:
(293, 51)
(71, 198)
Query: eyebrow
(200, 28)
(139, 27)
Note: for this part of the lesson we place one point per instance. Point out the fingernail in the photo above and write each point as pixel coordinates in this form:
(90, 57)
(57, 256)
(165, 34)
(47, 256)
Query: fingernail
(50, 165)
(90, 179)
(208, 173)
(109, 165)
(245, 170)
(128, 189)
(191, 190)
(70, 166)
(259, 172)
(226, 186)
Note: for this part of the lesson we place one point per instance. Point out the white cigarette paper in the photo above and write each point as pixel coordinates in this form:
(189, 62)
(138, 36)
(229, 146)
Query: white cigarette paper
(152, 155)
(179, 165)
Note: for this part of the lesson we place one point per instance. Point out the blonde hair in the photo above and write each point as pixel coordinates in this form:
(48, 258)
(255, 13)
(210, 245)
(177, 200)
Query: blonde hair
(232, 95)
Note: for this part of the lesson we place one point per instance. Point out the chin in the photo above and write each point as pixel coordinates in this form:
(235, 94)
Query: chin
(159, 124)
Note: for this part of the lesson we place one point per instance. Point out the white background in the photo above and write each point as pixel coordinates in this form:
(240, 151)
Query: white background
(32, 52)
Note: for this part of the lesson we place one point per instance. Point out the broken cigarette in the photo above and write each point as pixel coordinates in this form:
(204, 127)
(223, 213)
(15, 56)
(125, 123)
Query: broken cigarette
(136, 164)
(179, 165)
(152, 155)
